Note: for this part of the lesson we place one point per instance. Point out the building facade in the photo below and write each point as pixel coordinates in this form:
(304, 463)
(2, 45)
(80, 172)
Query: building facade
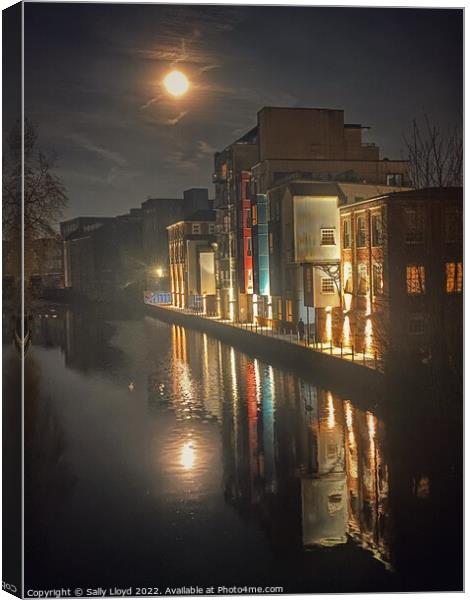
(158, 214)
(402, 273)
(230, 179)
(192, 266)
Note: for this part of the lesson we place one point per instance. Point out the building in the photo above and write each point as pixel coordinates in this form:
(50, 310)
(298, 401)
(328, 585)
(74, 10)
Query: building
(317, 143)
(158, 214)
(47, 270)
(402, 274)
(302, 143)
(231, 173)
(192, 265)
(304, 252)
(103, 257)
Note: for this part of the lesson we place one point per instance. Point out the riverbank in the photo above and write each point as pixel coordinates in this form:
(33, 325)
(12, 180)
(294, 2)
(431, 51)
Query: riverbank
(338, 373)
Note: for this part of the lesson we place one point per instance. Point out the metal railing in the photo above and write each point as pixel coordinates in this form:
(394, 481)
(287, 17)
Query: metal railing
(349, 353)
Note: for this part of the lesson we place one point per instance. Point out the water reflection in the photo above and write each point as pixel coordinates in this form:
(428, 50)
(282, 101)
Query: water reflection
(214, 444)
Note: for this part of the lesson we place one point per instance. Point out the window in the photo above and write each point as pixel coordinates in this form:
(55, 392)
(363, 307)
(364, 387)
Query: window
(453, 225)
(376, 225)
(254, 215)
(196, 228)
(211, 227)
(415, 279)
(454, 277)
(249, 249)
(271, 246)
(347, 278)
(327, 285)
(378, 279)
(289, 310)
(414, 225)
(395, 179)
(360, 232)
(416, 325)
(362, 284)
(247, 223)
(346, 233)
(328, 237)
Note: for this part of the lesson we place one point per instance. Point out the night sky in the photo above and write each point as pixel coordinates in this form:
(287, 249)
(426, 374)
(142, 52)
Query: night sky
(93, 84)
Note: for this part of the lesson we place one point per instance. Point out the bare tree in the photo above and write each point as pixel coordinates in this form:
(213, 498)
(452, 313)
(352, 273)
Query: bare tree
(44, 199)
(435, 156)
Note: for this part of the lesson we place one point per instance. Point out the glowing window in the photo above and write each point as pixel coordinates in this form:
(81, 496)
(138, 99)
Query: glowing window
(415, 279)
(454, 277)
(196, 228)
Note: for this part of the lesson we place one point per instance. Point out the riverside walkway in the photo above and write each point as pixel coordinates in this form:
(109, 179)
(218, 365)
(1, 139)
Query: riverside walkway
(347, 354)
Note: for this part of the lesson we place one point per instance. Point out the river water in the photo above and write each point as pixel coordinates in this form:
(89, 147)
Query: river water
(159, 456)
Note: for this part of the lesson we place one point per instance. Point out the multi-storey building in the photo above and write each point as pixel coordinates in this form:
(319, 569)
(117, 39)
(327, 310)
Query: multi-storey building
(401, 273)
(313, 144)
(230, 179)
(192, 268)
(158, 214)
(317, 142)
(103, 257)
(304, 252)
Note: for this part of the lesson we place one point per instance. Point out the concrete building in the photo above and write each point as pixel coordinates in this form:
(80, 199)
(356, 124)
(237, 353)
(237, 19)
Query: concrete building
(317, 143)
(402, 274)
(158, 214)
(192, 266)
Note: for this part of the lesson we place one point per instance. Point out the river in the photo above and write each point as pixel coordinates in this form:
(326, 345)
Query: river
(158, 456)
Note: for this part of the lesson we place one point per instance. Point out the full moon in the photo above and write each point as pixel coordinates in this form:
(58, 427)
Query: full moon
(176, 83)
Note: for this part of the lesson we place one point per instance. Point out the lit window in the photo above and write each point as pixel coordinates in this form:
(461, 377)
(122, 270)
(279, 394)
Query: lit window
(415, 279)
(416, 325)
(347, 278)
(196, 228)
(254, 215)
(362, 284)
(289, 311)
(360, 232)
(327, 285)
(378, 279)
(346, 233)
(414, 225)
(376, 225)
(454, 277)
(328, 237)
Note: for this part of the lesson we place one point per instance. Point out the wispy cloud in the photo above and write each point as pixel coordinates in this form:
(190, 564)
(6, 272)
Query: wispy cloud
(86, 144)
(177, 119)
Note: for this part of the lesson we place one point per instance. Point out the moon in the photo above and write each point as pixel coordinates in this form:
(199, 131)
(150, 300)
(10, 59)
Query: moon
(176, 83)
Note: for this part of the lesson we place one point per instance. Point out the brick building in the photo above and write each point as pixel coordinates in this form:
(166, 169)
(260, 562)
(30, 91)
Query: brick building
(402, 273)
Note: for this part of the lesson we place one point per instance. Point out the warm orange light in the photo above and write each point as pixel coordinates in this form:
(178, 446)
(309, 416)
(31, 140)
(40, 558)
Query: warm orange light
(176, 83)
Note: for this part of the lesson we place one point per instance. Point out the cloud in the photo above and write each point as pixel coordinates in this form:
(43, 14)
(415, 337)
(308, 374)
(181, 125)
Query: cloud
(177, 119)
(85, 143)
